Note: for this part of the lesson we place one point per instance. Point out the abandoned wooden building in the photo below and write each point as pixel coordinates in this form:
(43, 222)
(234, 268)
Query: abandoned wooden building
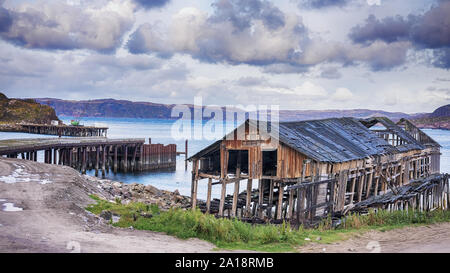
(314, 168)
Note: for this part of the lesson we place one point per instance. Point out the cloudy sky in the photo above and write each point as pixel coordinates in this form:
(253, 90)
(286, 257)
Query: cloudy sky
(301, 54)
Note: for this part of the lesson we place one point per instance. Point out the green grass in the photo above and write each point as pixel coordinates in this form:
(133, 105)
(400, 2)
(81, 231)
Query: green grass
(234, 234)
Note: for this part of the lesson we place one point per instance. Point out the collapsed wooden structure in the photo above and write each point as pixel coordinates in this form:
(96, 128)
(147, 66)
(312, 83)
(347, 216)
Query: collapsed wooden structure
(313, 169)
(99, 154)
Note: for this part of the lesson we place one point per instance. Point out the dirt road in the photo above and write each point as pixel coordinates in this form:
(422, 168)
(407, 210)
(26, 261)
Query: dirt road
(423, 239)
(42, 210)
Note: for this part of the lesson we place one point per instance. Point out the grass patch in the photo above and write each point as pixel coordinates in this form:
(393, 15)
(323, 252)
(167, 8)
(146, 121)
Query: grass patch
(234, 234)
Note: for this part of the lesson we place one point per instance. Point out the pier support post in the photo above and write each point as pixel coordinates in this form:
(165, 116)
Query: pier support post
(103, 161)
(83, 164)
(125, 158)
(97, 159)
(115, 159)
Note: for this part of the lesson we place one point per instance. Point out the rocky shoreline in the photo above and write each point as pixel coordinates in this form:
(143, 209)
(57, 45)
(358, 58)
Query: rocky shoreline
(135, 192)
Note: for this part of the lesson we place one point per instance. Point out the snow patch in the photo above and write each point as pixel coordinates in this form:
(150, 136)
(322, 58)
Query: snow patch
(10, 207)
(19, 175)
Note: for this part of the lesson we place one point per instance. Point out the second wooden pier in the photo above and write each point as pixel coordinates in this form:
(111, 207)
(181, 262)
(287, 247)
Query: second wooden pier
(94, 153)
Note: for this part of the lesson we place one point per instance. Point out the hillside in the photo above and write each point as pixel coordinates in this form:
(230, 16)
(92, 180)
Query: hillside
(443, 111)
(439, 119)
(108, 108)
(128, 109)
(24, 110)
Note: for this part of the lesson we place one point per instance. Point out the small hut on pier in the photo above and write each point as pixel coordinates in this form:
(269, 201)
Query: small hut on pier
(314, 168)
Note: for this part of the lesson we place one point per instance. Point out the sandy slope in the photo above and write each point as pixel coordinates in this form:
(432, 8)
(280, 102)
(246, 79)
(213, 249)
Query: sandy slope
(53, 218)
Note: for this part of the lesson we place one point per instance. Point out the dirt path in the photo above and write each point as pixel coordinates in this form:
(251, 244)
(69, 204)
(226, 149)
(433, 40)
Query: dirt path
(52, 218)
(423, 239)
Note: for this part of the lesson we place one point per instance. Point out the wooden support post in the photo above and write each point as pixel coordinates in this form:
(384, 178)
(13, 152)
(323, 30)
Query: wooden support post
(83, 164)
(270, 204)
(361, 185)
(369, 183)
(248, 200)
(125, 158)
(290, 208)
(103, 161)
(141, 157)
(260, 197)
(208, 197)
(222, 197)
(60, 156)
(300, 205)
(194, 183)
(115, 158)
(342, 186)
(70, 154)
(97, 159)
(353, 187)
(236, 185)
(280, 200)
(235, 198)
(133, 160)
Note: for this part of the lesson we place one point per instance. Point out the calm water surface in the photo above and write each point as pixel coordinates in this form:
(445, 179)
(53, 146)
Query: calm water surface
(159, 130)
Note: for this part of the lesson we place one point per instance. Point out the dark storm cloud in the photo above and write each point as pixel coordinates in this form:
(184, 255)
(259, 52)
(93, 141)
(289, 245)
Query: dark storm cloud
(241, 13)
(5, 20)
(318, 4)
(428, 31)
(150, 4)
(389, 29)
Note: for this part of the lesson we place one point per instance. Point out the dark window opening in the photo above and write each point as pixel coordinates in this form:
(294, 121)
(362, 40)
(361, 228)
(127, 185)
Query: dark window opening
(211, 164)
(233, 161)
(269, 160)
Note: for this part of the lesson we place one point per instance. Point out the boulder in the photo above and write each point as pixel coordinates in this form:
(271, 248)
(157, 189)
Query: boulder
(106, 214)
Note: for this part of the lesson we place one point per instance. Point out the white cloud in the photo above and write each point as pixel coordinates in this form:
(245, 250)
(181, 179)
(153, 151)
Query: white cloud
(374, 2)
(342, 94)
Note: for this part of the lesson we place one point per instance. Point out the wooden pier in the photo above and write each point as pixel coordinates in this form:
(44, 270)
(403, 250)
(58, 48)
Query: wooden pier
(94, 153)
(63, 130)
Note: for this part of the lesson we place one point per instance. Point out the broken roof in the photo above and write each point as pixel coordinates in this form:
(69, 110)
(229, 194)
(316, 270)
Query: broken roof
(411, 142)
(334, 140)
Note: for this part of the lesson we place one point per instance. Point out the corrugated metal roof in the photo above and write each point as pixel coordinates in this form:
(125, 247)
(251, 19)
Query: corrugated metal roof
(333, 140)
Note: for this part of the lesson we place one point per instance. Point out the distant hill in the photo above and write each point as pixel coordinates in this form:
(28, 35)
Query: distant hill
(293, 115)
(443, 111)
(108, 108)
(129, 109)
(439, 119)
(25, 110)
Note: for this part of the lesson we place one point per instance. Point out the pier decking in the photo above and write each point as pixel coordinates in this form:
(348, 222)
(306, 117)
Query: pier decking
(94, 153)
(63, 130)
